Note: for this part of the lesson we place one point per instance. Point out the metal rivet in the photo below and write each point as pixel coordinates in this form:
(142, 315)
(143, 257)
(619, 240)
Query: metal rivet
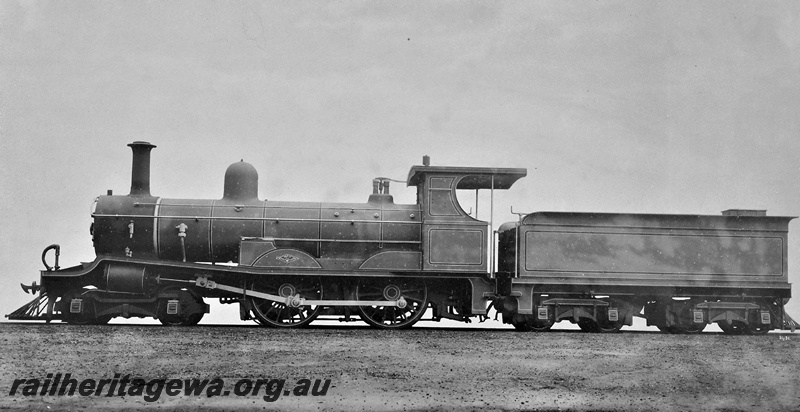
(411, 216)
(336, 214)
(376, 215)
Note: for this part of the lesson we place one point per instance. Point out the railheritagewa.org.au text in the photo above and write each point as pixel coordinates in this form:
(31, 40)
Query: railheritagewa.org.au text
(151, 390)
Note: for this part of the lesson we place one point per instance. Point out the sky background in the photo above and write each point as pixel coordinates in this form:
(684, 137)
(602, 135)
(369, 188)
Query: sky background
(640, 107)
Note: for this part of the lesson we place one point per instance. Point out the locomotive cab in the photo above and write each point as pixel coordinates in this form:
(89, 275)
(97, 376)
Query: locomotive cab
(452, 240)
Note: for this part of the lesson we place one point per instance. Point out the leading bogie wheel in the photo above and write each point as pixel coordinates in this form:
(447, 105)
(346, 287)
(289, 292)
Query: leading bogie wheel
(411, 295)
(182, 318)
(279, 314)
(86, 314)
(529, 323)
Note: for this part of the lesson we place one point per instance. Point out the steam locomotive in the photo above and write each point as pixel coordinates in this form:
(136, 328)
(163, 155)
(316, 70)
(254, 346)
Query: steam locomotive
(288, 263)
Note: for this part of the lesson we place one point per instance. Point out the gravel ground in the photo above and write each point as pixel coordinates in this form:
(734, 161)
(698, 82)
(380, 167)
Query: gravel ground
(418, 369)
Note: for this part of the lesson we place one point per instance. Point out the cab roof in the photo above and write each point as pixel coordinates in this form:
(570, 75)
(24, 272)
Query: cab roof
(474, 177)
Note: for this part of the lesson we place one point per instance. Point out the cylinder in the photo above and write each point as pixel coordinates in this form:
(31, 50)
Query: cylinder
(140, 169)
(126, 278)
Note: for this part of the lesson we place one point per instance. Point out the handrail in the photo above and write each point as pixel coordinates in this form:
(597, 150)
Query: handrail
(276, 219)
(55, 247)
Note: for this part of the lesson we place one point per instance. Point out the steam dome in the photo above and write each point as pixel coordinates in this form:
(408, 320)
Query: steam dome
(241, 182)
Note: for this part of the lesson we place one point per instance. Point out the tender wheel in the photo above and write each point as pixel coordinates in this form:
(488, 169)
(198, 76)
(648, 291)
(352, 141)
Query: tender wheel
(588, 325)
(681, 320)
(692, 328)
(522, 326)
(735, 328)
(539, 326)
(172, 320)
(412, 291)
(270, 313)
(194, 319)
(683, 330)
(102, 320)
(609, 327)
(754, 329)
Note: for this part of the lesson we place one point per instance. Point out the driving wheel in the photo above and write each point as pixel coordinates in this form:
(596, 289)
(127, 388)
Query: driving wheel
(411, 296)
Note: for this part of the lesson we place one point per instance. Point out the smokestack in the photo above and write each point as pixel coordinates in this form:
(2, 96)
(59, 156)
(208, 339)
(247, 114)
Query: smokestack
(140, 171)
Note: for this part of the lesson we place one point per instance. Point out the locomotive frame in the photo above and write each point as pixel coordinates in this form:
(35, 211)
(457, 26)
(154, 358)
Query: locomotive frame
(287, 263)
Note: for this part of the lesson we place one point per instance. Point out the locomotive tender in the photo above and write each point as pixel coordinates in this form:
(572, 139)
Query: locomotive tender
(288, 263)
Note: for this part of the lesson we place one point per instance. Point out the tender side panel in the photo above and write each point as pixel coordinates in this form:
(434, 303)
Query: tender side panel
(653, 254)
(653, 250)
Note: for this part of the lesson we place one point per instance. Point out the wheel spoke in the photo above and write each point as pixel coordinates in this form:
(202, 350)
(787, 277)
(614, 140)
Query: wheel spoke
(270, 313)
(414, 292)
